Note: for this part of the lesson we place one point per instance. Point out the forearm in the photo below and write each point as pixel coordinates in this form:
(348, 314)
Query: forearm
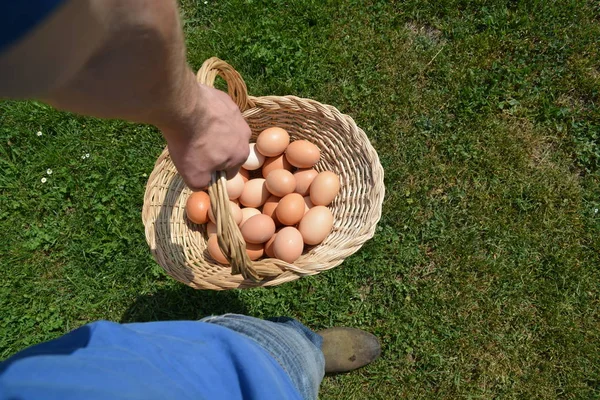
(126, 59)
(106, 58)
(53, 52)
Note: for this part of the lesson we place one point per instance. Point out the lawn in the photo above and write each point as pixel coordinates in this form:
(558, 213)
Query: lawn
(483, 280)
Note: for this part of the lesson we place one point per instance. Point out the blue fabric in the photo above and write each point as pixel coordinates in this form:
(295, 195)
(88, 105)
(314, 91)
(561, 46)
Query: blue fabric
(293, 345)
(17, 17)
(155, 360)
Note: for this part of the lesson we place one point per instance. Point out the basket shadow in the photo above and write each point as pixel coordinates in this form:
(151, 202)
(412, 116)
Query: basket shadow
(182, 303)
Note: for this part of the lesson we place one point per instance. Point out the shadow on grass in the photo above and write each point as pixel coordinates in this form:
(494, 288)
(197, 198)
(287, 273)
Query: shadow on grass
(182, 303)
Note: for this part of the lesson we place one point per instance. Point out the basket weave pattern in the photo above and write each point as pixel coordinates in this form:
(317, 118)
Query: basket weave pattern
(180, 246)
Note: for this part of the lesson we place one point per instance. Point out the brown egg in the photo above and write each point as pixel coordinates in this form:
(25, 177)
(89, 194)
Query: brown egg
(269, 246)
(269, 209)
(281, 182)
(258, 229)
(316, 225)
(197, 206)
(290, 209)
(214, 250)
(245, 174)
(255, 251)
(302, 154)
(211, 228)
(248, 212)
(270, 206)
(235, 186)
(324, 188)
(236, 213)
(288, 244)
(272, 141)
(307, 204)
(255, 193)
(304, 178)
(274, 163)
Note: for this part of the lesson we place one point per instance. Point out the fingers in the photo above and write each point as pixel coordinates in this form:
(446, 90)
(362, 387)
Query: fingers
(197, 166)
(232, 172)
(217, 141)
(197, 182)
(241, 157)
(197, 188)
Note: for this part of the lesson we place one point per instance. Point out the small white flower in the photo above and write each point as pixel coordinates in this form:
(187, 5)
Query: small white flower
(49, 171)
(44, 180)
(595, 211)
(87, 155)
(39, 133)
(83, 157)
(206, 2)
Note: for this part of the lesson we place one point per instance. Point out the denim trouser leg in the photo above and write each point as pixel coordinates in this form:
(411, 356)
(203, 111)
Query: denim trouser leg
(293, 345)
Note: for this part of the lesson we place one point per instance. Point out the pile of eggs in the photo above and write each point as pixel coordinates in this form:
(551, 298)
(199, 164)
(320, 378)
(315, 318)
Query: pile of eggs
(278, 199)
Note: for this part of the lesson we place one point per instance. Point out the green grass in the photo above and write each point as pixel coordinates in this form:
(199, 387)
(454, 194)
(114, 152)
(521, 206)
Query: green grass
(483, 280)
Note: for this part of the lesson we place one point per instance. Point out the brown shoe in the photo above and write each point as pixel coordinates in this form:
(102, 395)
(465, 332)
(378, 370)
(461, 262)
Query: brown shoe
(347, 349)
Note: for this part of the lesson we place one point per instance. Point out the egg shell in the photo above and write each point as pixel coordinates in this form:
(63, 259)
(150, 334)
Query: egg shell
(269, 209)
(197, 207)
(304, 177)
(307, 204)
(236, 213)
(255, 159)
(255, 251)
(255, 193)
(281, 182)
(270, 205)
(258, 229)
(245, 174)
(316, 225)
(211, 228)
(288, 244)
(302, 154)
(269, 246)
(271, 164)
(235, 186)
(324, 188)
(214, 250)
(248, 212)
(290, 209)
(272, 141)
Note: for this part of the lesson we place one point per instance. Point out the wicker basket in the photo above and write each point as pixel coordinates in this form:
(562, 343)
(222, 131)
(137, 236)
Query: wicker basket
(179, 246)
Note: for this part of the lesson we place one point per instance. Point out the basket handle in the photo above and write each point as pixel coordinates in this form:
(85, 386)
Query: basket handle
(229, 237)
(236, 87)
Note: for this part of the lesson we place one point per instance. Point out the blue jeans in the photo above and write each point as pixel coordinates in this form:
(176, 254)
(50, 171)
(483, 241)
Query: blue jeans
(295, 347)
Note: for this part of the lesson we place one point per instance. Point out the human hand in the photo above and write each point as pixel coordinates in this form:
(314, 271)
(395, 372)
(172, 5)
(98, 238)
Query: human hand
(215, 138)
(126, 59)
